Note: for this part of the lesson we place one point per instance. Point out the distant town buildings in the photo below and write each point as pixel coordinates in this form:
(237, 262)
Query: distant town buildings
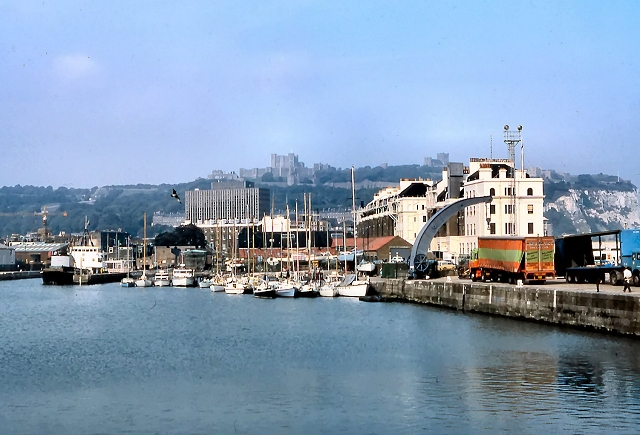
(284, 167)
(442, 159)
(168, 219)
(220, 175)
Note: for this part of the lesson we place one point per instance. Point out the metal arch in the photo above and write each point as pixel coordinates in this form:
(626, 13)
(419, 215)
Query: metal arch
(430, 229)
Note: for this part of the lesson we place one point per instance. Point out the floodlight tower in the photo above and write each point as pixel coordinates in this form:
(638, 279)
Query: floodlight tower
(511, 139)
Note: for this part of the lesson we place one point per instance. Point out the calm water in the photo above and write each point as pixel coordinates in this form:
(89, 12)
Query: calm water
(103, 359)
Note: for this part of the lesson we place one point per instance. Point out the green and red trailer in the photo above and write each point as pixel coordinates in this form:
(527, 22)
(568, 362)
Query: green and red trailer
(512, 259)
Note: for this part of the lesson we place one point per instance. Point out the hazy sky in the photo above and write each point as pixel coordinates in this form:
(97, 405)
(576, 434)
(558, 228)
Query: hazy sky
(118, 92)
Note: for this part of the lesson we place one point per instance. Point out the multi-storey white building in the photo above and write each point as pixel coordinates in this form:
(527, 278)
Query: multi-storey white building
(399, 210)
(230, 200)
(516, 208)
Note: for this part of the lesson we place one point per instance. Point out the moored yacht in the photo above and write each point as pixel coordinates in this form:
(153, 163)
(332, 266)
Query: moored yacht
(352, 287)
(182, 277)
(162, 278)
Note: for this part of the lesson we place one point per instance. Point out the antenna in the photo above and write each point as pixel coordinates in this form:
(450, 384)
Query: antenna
(511, 139)
(490, 147)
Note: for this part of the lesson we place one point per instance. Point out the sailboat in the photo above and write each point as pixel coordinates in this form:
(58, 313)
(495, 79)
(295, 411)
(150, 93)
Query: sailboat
(143, 281)
(128, 281)
(216, 282)
(351, 286)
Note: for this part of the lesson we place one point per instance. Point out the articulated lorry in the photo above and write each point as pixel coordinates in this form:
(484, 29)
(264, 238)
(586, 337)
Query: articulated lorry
(510, 259)
(581, 257)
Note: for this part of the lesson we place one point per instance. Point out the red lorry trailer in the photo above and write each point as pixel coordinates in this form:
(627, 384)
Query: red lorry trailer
(509, 259)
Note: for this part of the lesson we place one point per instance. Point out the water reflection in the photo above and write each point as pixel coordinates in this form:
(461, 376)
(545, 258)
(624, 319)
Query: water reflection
(189, 361)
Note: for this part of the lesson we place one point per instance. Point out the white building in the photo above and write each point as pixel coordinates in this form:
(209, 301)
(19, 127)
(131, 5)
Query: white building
(516, 209)
(400, 210)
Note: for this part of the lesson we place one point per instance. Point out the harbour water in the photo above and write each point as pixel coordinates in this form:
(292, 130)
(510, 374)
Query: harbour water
(104, 359)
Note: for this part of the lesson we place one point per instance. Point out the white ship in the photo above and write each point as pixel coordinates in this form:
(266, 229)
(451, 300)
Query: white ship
(182, 277)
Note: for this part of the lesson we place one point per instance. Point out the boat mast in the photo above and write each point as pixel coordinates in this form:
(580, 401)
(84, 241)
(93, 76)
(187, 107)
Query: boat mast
(355, 219)
(217, 246)
(297, 243)
(288, 239)
(344, 244)
(144, 248)
(309, 218)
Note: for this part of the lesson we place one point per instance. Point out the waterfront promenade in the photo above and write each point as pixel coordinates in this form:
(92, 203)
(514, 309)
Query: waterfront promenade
(556, 302)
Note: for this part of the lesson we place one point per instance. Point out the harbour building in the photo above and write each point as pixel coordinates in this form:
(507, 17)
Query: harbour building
(227, 201)
(516, 208)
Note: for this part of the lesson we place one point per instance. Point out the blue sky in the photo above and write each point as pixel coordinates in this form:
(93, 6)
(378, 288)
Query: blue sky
(119, 92)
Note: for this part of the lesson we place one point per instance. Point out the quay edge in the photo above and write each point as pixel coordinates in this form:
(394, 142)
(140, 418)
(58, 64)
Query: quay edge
(612, 312)
(27, 274)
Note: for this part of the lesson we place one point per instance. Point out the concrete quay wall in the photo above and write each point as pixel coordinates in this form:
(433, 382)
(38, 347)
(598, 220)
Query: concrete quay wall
(19, 275)
(613, 312)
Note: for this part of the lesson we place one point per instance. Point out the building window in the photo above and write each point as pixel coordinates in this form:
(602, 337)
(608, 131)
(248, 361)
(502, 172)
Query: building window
(530, 209)
(530, 192)
(508, 228)
(530, 228)
(424, 218)
(492, 209)
(492, 192)
(508, 209)
(492, 228)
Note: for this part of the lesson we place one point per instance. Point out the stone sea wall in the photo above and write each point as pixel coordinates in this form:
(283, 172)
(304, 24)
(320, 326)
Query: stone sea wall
(613, 312)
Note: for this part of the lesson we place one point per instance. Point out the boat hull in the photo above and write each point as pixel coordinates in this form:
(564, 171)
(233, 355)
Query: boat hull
(328, 292)
(182, 282)
(269, 294)
(288, 292)
(353, 290)
(57, 277)
(143, 282)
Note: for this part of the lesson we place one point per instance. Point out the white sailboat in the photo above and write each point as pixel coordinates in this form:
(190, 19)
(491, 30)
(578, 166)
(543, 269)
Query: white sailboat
(143, 281)
(128, 281)
(351, 286)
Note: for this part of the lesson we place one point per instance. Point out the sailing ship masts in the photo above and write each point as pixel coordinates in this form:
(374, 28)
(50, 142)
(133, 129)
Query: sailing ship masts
(297, 241)
(355, 217)
(288, 236)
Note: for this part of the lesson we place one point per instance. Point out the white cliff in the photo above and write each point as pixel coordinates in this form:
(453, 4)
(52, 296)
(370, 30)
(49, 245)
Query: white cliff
(589, 210)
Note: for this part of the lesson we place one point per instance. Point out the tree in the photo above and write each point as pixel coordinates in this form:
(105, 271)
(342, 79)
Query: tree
(186, 235)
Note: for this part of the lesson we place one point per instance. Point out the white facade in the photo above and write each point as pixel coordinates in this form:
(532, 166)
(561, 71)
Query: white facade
(408, 204)
(516, 209)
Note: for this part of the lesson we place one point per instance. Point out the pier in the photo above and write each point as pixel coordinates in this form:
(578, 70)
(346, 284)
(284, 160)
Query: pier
(555, 302)
(19, 274)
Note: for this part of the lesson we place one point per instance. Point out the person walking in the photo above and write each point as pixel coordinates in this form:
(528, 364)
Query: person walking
(627, 280)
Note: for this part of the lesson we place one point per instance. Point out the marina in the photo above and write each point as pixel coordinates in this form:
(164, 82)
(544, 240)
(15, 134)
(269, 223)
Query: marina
(167, 361)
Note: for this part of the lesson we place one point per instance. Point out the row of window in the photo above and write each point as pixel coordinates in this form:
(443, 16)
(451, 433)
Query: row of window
(509, 209)
(509, 191)
(509, 228)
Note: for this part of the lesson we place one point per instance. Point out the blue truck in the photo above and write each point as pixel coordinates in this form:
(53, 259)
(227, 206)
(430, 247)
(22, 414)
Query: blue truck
(581, 257)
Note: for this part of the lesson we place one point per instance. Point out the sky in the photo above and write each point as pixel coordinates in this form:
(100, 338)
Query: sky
(97, 93)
